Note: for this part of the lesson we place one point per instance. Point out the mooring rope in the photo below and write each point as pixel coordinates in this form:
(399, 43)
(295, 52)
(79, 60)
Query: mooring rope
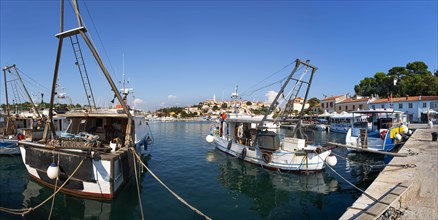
(25, 211)
(136, 181)
(168, 189)
(54, 189)
(369, 196)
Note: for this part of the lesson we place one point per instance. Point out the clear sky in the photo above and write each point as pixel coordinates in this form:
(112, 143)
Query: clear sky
(182, 52)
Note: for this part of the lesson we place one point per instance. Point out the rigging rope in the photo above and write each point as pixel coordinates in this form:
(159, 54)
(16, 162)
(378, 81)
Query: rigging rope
(244, 93)
(168, 189)
(290, 94)
(41, 86)
(97, 33)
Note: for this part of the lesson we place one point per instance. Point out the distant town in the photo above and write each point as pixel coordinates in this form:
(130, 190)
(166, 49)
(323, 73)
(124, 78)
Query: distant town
(416, 108)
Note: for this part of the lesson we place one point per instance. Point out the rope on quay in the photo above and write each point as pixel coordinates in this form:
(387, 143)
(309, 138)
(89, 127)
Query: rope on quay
(168, 189)
(136, 182)
(25, 211)
(351, 184)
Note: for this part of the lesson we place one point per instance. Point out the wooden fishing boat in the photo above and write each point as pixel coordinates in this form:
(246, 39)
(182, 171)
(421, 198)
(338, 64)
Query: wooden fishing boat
(88, 152)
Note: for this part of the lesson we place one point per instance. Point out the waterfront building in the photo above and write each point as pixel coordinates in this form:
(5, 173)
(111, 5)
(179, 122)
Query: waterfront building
(329, 104)
(353, 103)
(416, 108)
(296, 104)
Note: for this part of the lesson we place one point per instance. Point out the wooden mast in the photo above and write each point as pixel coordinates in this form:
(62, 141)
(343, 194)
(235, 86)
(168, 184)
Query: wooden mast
(82, 31)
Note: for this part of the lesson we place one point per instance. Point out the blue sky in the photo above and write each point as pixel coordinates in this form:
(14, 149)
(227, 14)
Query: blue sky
(182, 52)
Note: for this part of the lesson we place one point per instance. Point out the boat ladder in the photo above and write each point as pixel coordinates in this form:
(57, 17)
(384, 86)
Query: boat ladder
(82, 70)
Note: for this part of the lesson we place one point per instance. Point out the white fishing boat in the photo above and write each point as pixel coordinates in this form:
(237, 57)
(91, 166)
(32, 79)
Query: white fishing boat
(249, 139)
(340, 123)
(88, 152)
(377, 129)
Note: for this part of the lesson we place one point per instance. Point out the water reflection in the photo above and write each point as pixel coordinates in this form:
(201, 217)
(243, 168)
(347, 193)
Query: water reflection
(64, 206)
(269, 190)
(364, 166)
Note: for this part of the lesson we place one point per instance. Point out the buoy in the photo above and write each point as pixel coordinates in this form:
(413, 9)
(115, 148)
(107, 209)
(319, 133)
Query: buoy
(398, 137)
(53, 171)
(331, 160)
(209, 138)
(410, 132)
(404, 129)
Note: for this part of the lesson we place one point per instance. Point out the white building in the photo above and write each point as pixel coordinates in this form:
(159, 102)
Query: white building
(415, 107)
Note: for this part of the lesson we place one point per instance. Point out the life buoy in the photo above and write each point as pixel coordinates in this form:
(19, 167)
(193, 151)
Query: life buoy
(266, 157)
(243, 154)
(383, 134)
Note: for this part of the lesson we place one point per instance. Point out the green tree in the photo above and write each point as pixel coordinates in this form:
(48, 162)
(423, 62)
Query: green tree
(313, 102)
(412, 80)
(248, 103)
(224, 105)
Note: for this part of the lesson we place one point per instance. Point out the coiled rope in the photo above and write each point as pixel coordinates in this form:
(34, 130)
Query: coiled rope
(25, 211)
(168, 189)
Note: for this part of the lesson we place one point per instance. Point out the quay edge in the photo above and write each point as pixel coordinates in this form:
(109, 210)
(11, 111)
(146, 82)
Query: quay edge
(418, 196)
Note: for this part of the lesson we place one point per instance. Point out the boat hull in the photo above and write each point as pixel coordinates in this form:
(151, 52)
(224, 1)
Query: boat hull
(383, 143)
(9, 147)
(300, 161)
(100, 177)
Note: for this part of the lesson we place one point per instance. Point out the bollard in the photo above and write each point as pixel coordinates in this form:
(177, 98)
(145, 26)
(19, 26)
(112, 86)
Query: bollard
(434, 136)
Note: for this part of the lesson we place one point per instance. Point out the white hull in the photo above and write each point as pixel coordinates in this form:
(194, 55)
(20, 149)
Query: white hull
(307, 160)
(340, 128)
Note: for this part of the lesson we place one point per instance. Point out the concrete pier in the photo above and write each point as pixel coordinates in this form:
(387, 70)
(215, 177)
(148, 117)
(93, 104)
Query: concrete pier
(407, 184)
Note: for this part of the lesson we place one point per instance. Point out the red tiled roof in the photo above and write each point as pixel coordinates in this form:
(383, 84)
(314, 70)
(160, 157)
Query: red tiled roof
(332, 97)
(350, 100)
(406, 99)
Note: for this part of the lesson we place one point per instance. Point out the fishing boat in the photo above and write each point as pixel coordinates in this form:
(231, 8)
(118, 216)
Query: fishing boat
(17, 125)
(340, 123)
(321, 124)
(249, 138)
(377, 129)
(87, 153)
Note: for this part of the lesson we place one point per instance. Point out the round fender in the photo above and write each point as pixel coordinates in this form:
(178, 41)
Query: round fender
(229, 144)
(266, 157)
(243, 154)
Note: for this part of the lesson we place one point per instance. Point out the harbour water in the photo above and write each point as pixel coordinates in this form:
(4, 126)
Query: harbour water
(221, 186)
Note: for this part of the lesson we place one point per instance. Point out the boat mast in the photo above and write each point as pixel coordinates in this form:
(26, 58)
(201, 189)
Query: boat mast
(8, 108)
(274, 104)
(82, 30)
(38, 116)
(235, 97)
